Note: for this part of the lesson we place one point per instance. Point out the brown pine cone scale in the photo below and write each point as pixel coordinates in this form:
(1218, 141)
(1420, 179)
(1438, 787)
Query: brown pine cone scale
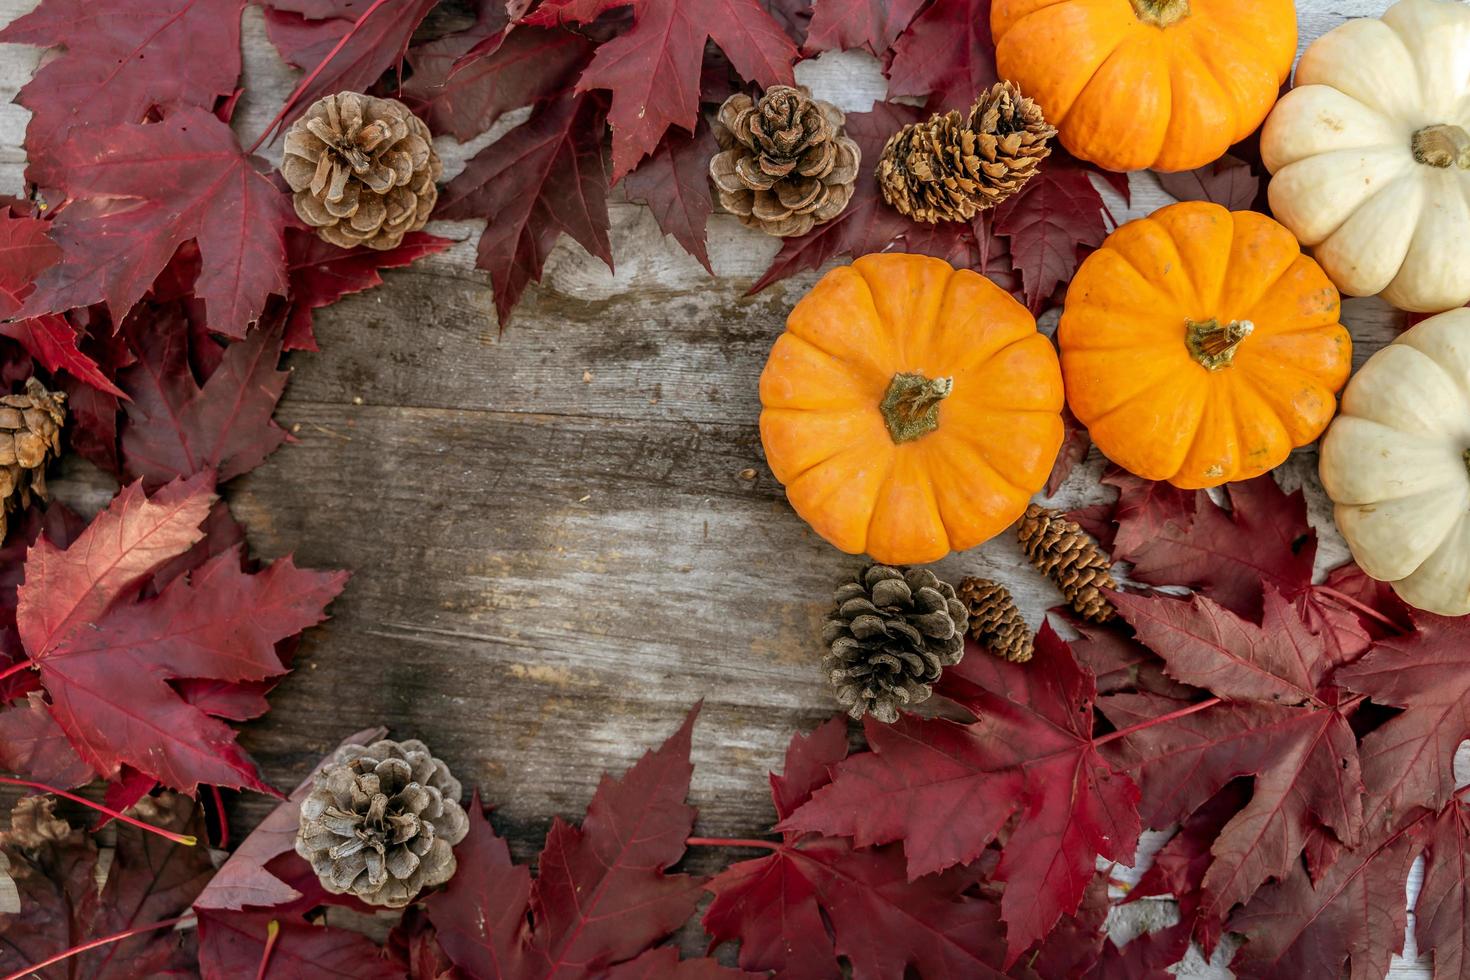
(889, 637)
(1071, 558)
(953, 165)
(362, 170)
(30, 438)
(995, 622)
(784, 165)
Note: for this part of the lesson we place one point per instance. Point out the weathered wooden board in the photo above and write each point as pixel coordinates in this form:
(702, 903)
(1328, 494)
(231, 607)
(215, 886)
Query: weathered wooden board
(555, 550)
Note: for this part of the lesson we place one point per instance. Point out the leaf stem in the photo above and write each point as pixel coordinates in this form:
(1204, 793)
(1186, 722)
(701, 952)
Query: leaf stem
(764, 845)
(1353, 605)
(16, 668)
(1171, 716)
(187, 840)
(115, 937)
(224, 821)
(312, 76)
(272, 933)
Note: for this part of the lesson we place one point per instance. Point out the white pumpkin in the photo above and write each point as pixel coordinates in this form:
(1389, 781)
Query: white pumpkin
(1371, 155)
(1396, 463)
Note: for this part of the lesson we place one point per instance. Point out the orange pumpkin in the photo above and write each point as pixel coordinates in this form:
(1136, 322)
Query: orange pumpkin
(910, 409)
(1201, 346)
(1166, 84)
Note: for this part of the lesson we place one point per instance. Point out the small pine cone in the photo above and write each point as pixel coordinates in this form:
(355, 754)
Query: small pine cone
(1071, 558)
(995, 622)
(380, 822)
(951, 166)
(30, 438)
(889, 637)
(784, 164)
(362, 169)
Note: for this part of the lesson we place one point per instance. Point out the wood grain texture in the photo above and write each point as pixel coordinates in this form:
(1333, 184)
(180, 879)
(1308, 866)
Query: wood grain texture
(555, 551)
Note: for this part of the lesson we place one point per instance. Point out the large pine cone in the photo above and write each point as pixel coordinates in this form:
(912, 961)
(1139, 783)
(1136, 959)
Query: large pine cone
(952, 166)
(785, 165)
(380, 822)
(890, 637)
(362, 169)
(30, 438)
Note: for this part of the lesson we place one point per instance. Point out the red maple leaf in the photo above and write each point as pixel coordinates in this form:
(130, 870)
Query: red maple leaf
(778, 907)
(233, 945)
(1075, 446)
(1410, 759)
(25, 252)
(601, 897)
(653, 68)
(541, 179)
(674, 183)
(34, 746)
(321, 274)
(1442, 913)
(141, 191)
(518, 68)
(1227, 182)
(848, 24)
(1304, 761)
(553, 13)
(149, 879)
(178, 428)
(946, 55)
(105, 659)
(1057, 217)
(948, 789)
(123, 58)
(868, 224)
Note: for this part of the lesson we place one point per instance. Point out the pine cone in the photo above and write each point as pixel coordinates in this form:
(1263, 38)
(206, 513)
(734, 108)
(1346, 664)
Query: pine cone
(363, 170)
(380, 822)
(1071, 558)
(30, 437)
(785, 165)
(951, 166)
(889, 638)
(995, 622)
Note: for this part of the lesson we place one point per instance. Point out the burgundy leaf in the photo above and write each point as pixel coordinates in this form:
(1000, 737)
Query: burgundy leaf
(674, 183)
(847, 24)
(946, 55)
(232, 946)
(1228, 182)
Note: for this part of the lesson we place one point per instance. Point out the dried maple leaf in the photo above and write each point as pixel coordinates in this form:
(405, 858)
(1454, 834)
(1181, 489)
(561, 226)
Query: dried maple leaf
(653, 68)
(674, 183)
(25, 252)
(1306, 771)
(946, 55)
(847, 24)
(1354, 913)
(123, 59)
(1051, 223)
(948, 789)
(1410, 760)
(541, 179)
(1228, 182)
(104, 660)
(178, 428)
(141, 191)
(522, 67)
(868, 224)
(149, 879)
(778, 907)
(233, 945)
(601, 897)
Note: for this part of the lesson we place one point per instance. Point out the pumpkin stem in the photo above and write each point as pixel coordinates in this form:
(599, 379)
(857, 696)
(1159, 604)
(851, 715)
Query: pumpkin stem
(1214, 344)
(1444, 146)
(1161, 13)
(911, 406)
(1467, 459)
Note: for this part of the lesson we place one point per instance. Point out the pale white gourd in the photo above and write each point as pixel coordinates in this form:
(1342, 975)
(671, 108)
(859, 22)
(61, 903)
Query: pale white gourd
(1396, 463)
(1371, 155)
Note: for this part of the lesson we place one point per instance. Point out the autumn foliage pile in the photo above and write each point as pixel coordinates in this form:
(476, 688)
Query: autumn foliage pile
(1294, 738)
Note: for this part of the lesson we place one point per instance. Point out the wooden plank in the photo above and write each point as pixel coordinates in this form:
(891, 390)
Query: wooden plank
(555, 551)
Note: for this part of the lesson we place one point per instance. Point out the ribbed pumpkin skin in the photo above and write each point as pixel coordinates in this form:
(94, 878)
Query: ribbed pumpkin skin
(825, 434)
(1151, 406)
(1127, 94)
